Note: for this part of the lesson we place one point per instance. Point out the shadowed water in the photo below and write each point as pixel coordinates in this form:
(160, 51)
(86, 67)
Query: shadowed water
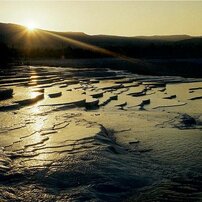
(71, 134)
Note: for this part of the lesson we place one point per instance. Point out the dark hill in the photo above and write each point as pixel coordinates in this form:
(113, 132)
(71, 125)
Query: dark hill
(18, 36)
(161, 55)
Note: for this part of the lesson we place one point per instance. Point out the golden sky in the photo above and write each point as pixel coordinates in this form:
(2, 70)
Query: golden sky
(128, 18)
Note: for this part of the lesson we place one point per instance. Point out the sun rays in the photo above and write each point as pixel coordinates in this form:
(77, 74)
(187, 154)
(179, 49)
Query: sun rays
(97, 49)
(35, 36)
(31, 26)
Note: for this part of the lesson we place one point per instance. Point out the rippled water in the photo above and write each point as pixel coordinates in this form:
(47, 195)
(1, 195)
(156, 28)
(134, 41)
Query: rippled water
(69, 134)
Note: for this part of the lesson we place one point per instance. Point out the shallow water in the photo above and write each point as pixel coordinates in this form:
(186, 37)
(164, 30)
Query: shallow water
(71, 134)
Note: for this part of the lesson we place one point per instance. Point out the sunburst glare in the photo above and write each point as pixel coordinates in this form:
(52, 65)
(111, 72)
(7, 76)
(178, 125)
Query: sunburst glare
(31, 26)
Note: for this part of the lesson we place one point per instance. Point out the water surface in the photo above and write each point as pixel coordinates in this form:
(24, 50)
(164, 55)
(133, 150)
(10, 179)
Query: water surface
(71, 134)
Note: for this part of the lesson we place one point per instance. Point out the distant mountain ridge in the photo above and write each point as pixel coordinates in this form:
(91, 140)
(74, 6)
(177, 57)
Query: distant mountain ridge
(167, 37)
(153, 55)
(17, 36)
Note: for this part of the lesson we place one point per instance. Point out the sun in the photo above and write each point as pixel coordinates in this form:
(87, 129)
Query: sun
(31, 26)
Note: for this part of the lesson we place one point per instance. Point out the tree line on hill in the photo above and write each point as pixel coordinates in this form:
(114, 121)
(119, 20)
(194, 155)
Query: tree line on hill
(165, 54)
(149, 51)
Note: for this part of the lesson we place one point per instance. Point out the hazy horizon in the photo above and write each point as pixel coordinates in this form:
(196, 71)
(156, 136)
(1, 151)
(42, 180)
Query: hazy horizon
(97, 34)
(124, 18)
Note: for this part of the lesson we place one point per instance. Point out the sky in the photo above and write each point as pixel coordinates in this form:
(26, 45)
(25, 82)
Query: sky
(125, 18)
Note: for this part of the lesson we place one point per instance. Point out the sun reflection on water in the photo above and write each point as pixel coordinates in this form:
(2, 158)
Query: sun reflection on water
(35, 109)
(33, 94)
